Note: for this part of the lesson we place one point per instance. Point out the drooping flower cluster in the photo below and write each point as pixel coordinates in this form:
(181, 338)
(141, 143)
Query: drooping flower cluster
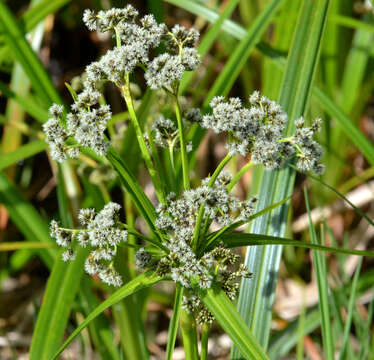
(87, 120)
(259, 130)
(102, 233)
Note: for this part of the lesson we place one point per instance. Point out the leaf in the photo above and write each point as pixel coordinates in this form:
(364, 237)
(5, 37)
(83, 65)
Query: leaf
(144, 280)
(243, 239)
(26, 218)
(323, 289)
(141, 201)
(22, 153)
(253, 305)
(17, 245)
(208, 40)
(239, 57)
(62, 286)
(228, 317)
(15, 39)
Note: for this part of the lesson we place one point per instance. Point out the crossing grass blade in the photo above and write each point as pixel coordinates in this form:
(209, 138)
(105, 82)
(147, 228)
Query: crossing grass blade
(256, 296)
(323, 288)
(141, 201)
(243, 239)
(140, 282)
(228, 317)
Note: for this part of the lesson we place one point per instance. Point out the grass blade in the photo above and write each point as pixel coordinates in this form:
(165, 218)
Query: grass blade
(323, 289)
(351, 305)
(243, 239)
(15, 39)
(173, 326)
(25, 217)
(253, 305)
(62, 286)
(227, 316)
(22, 153)
(209, 38)
(144, 280)
(239, 57)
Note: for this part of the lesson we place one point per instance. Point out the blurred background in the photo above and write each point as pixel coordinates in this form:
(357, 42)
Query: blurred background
(345, 73)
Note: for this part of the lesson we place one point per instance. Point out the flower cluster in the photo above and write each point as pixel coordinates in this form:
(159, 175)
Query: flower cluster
(179, 219)
(259, 129)
(102, 234)
(165, 134)
(87, 120)
(168, 68)
(218, 260)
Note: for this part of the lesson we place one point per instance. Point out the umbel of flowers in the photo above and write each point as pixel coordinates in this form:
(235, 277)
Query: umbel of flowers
(188, 251)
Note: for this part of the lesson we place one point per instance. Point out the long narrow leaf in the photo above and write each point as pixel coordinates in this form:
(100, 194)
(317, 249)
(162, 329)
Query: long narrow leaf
(256, 296)
(15, 39)
(322, 282)
(22, 153)
(227, 316)
(244, 239)
(144, 280)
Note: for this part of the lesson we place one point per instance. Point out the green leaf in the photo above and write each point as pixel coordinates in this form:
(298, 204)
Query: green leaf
(62, 286)
(227, 316)
(22, 153)
(30, 106)
(26, 218)
(208, 40)
(15, 39)
(323, 289)
(239, 57)
(351, 305)
(173, 325)
(254, 306)
(243, 239)
(140, 199)
(144, 280)
(33, 16)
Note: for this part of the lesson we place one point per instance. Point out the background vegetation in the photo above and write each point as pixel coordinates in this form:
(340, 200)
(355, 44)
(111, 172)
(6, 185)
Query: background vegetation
(315, 58)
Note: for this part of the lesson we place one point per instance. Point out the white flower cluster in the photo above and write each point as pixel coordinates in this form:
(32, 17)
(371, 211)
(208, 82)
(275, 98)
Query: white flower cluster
(165, 134)
(168, 68)
(87, 120)
(142, 258)
(218, 260)
(102, 234)
(179, 218)
(56, 135)
(259, 129)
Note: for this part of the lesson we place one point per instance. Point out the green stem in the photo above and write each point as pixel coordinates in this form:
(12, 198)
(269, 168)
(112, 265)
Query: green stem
(143, 146)
(218, 170)
(172, 167)
(204, 341)
(173, 326)
(213, 178)
(239, 175)
(182, 141)
(189, 335)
